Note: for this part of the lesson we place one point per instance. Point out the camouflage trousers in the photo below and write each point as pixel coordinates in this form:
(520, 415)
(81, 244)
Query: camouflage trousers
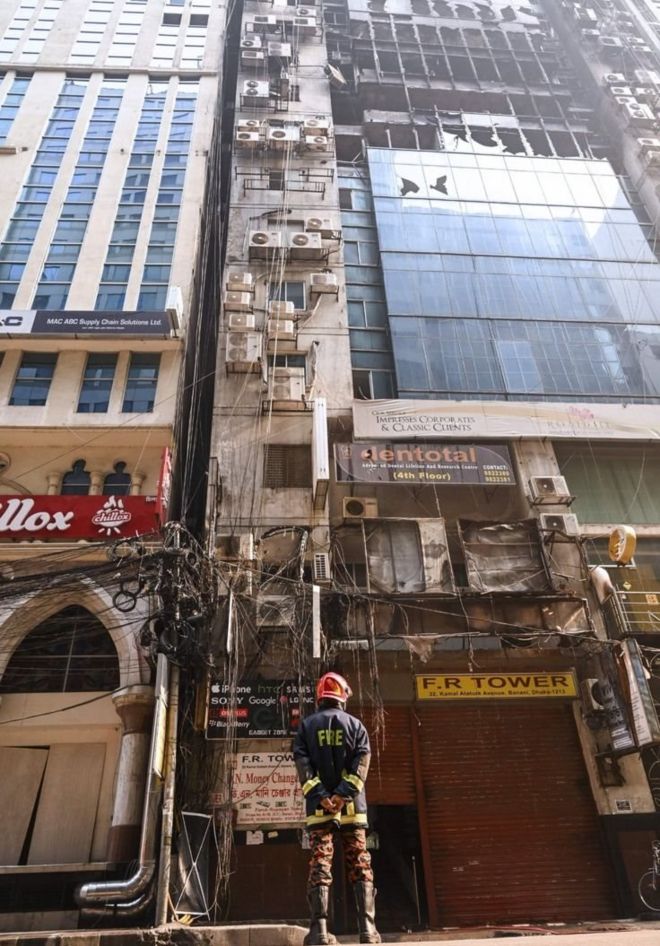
(356, 856)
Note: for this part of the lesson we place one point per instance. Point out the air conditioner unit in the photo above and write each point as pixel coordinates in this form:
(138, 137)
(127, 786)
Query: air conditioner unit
(647, 76)
(263, 24)
(287, 388)
(563, 523)
(305, 11)
(620, 90)
(648, 143)
(275, 610)
(241, 322)
(247, 139)
(240, 282)
(281, 310)
(610, 42)
(244, 351)
(251, 42)
(652, 158)
(306, 25)
(639, 114)
(321, 571)
(316, 126)
(264, 244)
(281, 330)
(316, 143)
(626, 100)
(614, 78)
(324, 226)
(238, 301)
(549, 489)
(248, 124)
(590, 34)
(589, 695)
(279, 50)
(256, 93)
(359, 507)
(234, 547)
(174, 305)
(252, 58)
(324, 283)
(305, 246)
(635, 41)
(282, 138)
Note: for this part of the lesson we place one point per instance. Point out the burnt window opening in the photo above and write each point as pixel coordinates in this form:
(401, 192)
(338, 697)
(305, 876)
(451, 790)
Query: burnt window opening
(287, 466)
(69, 652)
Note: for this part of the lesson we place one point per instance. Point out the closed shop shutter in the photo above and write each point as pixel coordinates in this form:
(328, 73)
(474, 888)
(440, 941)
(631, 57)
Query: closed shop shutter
(391, 778)
(514, 833)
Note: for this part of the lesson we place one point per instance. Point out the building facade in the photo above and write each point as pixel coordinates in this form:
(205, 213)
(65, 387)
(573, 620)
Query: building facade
(108, 116)
(436, 398)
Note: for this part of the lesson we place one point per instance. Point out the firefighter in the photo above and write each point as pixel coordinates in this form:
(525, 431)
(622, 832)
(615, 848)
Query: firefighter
(332, 755)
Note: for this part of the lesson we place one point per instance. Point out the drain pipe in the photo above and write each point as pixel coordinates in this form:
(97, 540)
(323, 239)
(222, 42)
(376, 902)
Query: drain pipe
(130, 897)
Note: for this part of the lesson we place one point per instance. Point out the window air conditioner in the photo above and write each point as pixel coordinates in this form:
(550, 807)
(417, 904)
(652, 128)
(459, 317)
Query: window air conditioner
(248, 139)
(614, 78)
(626, 100)
(279, 50)
(287, 388)
(174, 305)
(305, 246)
(589, 695)
(565, 524)
(316, 143)
(316, 126)
(281, 310)
(636, 41)
(241, 322)
(275, 610)
(305, 11)
(281, 330)
(240, 282)
(647, 76)
(324, 226)
(264, 244)
(652, 158)
(238, 301)
(252, 58)
(324, 283)
(610, 42)
(251, 42)
(321, 571)
(549, 489)
(359, 507)
(645, 143)
(248, 124)
(243, 351)
(282, 138)
(590, 34)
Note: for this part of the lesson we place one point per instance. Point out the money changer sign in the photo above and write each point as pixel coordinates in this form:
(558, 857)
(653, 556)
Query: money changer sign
(266, 790)
(480, 686)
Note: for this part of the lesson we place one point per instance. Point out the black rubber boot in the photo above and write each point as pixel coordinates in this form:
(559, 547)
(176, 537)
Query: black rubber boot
(318, 899)
(365, 903)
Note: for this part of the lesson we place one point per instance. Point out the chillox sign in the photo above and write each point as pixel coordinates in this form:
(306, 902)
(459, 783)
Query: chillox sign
(76, 517)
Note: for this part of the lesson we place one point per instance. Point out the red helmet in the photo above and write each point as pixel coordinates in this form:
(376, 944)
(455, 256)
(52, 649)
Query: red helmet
(332, 686)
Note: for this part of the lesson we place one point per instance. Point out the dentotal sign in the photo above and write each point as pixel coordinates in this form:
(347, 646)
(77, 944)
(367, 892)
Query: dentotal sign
(479, 686)
(76, 517)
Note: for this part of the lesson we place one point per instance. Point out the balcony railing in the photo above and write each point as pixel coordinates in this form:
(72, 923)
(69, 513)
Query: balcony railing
(632, 612)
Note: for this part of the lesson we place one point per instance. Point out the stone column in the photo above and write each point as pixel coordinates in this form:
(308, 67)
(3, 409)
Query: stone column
(95, 483)
(134, 705)
(54, 480)
(137, 479)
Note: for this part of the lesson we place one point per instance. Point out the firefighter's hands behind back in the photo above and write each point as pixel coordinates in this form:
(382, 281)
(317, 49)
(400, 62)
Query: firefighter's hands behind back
(333, 804)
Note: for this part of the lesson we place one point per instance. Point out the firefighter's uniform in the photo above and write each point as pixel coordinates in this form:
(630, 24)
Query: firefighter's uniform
(332, 755)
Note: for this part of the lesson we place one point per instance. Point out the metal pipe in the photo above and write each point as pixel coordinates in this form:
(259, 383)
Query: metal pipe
(128, 909)
(167, 825)
(113, 892)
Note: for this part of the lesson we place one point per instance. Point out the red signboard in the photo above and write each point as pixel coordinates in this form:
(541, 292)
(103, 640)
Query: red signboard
(95, 518)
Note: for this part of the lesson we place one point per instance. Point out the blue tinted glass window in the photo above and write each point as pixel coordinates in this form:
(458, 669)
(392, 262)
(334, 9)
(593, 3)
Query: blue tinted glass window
(33, 380)
(97, 383)
(141, 383)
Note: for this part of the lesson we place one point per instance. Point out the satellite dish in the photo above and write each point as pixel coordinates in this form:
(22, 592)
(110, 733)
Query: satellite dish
(336, 78)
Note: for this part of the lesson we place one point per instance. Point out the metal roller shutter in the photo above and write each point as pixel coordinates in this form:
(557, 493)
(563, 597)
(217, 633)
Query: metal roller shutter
(392, 778)
(514, 834)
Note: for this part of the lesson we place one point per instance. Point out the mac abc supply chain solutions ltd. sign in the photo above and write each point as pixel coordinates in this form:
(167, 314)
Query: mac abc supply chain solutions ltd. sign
(43, 322)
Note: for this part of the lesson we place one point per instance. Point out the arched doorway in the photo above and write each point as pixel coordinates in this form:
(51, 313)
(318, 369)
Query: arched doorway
(59, 742)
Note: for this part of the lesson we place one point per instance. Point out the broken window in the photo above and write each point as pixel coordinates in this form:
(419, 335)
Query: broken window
(408, 556)
(505, 557)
